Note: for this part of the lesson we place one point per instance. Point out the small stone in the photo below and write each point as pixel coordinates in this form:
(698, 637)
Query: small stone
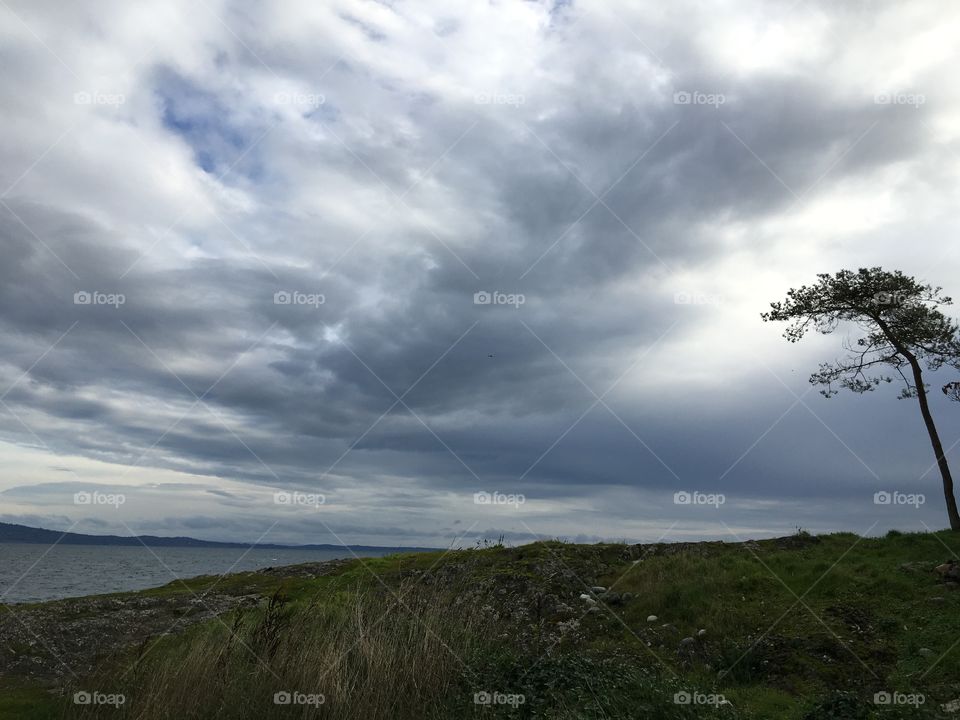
(950, 570)
(588, 600)
(952, 706)
(652, 618)
(598, 589)
(701, 633)
(687, 641)
(925, 652)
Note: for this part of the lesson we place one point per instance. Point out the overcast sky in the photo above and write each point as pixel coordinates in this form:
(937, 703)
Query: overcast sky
(242, 247)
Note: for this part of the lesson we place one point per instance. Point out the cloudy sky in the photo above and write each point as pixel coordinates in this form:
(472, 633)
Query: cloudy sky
(394, 254)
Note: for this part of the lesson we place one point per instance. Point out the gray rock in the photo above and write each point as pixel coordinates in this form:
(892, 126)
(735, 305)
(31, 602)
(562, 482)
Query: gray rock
(701, 633)
(652, 618)
(926, 652)
(952, 706)
(598, 589)
(950, 570)
(687, 641)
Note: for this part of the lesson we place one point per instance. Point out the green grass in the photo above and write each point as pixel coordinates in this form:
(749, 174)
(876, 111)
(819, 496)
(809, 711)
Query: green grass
(20, 701)
(801, 628)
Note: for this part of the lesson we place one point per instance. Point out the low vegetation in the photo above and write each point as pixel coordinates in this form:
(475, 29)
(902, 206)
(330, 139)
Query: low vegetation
(804, 627)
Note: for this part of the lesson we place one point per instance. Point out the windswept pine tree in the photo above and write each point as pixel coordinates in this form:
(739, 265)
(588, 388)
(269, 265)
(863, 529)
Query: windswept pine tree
(903, 332)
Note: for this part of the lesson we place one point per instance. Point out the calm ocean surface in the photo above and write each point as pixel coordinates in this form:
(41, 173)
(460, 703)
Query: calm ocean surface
(34, 572)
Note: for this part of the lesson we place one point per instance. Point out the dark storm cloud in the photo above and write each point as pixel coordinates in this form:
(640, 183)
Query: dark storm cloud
(397, 202)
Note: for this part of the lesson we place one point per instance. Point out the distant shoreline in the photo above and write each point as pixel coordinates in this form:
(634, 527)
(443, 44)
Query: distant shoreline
(11, 533)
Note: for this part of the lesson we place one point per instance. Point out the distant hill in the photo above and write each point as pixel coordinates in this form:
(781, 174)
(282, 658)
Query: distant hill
(12, 533)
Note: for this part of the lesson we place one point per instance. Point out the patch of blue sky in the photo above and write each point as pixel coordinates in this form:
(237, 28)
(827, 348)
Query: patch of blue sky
(206, 122)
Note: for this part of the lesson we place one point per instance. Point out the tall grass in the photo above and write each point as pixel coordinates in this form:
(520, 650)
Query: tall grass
(366, 655)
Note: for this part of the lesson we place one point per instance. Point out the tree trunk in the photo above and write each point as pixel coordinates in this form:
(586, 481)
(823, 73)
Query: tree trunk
(935, 441)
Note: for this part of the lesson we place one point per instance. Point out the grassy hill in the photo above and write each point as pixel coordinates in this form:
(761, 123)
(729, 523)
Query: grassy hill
(809, 628)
